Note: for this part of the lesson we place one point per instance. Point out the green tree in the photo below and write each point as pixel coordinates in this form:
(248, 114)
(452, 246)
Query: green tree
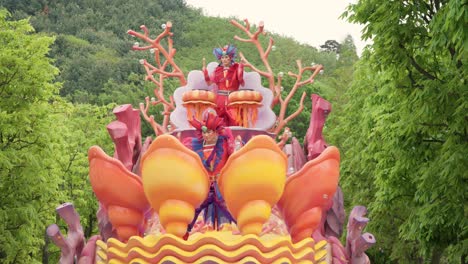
(331, 46)
(43, 146)
(405, 129)
(28, 174)
(334, 87)
(81, 126)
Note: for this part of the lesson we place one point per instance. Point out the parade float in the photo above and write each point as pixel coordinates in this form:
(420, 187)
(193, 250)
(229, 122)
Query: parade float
(220, 182)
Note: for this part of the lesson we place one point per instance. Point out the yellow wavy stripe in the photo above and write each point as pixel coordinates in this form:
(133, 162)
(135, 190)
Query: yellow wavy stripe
(102, 255)
(211, 259)
(321, 244)
(225, 240)
(114, 261)
(219, 247)
(211, 250)
(101, 244)
(321, 251)
(101, 251)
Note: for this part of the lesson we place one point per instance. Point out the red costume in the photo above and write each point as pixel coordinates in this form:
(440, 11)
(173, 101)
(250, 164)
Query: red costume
(214, 157)
(227, 80)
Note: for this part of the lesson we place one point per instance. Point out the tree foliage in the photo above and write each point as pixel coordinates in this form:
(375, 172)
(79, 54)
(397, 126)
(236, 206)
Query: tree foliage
(331, 46)
(43, 145)
(404, 129)
(28, 174)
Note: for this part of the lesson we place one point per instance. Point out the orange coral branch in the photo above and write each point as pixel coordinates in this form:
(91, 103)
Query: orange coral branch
(168, 53)
(316, 70)
(275, 88)
(247, 24)
(150, 119)
(270, 46)
(253, 38)
(277, 92)
(250, 65)
(282, 121)
(241, 39)
(284, 137)
(259, 30)
(155, 43)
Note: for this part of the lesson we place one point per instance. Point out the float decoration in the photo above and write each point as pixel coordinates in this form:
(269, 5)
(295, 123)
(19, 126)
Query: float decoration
(214, 185)
(197, 101)
(246, 104)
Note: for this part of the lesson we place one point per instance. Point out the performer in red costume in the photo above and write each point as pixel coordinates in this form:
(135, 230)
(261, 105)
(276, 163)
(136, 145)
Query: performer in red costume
(228, 76)
(213, 144)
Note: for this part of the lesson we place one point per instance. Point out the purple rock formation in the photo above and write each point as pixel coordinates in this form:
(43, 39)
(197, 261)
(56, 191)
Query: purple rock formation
(357, 243)
(335, 216)
(73, 244)
(314, 141)
(126, 134)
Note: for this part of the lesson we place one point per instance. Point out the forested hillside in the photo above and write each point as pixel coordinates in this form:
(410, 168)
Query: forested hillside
(399, 113)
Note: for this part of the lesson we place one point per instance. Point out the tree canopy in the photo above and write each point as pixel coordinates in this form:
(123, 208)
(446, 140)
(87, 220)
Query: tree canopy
(404, 129)
(43, 142)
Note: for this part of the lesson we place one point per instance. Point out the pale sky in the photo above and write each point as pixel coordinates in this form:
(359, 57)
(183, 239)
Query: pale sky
(307, 21)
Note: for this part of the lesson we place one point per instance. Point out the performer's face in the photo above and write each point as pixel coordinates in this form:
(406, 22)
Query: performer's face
(226, 60)
(210, 136)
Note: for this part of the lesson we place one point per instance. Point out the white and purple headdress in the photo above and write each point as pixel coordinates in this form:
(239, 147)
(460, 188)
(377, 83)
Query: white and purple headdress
(229, 50)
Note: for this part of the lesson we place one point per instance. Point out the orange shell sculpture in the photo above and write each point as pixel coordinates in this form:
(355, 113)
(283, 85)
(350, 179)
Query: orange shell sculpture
(110, 180)
(308, 192)
(252, 181)
(199, 96)
(175, 182)
(245, 97)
